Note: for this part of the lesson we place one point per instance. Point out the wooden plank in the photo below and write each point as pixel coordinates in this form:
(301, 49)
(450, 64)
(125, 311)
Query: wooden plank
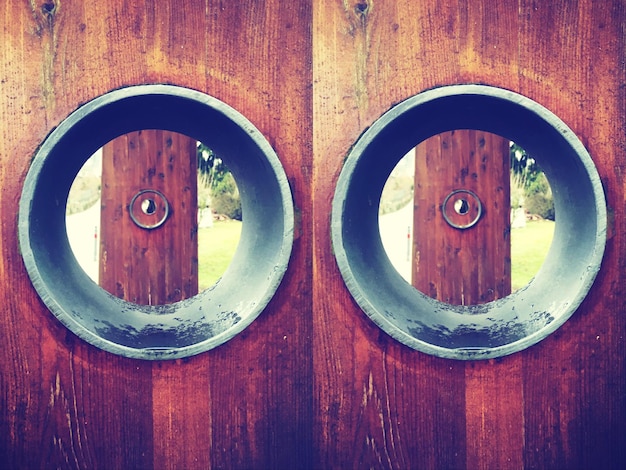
(572, 61)
(149, 266)
(114, 412)
(462, 266)
(157, 266)
(258, 58)
(378, 404)
(62, 405)
(367, 57)
(468, 267)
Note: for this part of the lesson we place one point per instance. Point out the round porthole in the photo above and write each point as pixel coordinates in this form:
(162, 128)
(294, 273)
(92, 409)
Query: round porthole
(205, 320)
(503, 326)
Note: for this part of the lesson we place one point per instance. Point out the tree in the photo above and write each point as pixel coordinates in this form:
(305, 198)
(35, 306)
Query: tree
(533, 190)
(217, 187)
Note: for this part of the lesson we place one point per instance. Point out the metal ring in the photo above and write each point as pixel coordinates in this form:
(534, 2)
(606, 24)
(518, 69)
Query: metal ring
(496, 328)
(193, 325)
(159, 222)
(472, 222)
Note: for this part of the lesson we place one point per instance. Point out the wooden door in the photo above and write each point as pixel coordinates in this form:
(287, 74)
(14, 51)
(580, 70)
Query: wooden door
(312, 383)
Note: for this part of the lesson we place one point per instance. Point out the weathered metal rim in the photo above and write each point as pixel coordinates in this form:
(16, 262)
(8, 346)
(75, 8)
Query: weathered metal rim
(165, 331)
(474, 221)
(497, 328)
(161, 221)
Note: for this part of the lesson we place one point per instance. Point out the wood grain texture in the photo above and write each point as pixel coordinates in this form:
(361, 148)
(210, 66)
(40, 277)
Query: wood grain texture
(577, 376)
(556, 405)
(470, 267)
(313, 383)
(363, 64)
(66, 404)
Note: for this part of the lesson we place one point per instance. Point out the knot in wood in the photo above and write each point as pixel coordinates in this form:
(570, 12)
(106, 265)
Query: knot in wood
(48, 8)
(362, 8)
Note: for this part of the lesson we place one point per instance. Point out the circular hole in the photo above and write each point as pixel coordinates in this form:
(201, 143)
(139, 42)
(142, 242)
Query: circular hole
(215, 212)
(148, 206)
(162, 331)
(512, 322)
(528, 224)
(461, 206)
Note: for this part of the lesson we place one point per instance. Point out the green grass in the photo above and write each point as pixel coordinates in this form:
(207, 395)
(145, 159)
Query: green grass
(529, 247)
(216, 247)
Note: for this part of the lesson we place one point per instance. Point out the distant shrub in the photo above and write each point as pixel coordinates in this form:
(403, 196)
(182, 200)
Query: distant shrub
(225, 198)
(84, 193)
(541, 205)
(397, 193)
(538, 200)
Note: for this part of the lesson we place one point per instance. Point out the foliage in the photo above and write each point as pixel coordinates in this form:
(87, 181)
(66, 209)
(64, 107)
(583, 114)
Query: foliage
(84, 193)
(211, 168)
(524, 168)
(397, 193)
(225, 197)
(530, 187)
(216, 185)
(539, 198)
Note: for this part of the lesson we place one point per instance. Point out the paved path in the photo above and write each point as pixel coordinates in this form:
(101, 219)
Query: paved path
(396, 232)
(83, 232)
